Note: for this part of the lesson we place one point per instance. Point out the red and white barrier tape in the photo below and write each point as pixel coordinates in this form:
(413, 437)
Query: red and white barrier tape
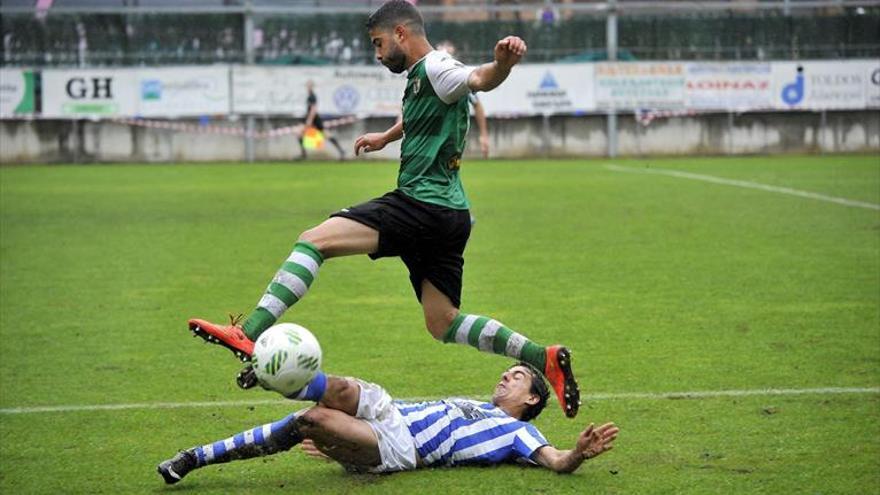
(645, 117)
(229, 131)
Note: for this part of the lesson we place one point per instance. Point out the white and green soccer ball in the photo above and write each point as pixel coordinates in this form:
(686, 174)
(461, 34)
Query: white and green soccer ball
(286, 357)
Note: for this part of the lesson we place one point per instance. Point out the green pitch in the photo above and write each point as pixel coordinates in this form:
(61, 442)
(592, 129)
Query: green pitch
(659, 284)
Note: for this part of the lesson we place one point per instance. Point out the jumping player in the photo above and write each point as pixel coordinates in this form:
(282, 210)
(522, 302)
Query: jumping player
(425, 221)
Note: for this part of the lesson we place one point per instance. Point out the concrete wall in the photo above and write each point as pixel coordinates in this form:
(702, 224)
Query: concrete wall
(44, 141)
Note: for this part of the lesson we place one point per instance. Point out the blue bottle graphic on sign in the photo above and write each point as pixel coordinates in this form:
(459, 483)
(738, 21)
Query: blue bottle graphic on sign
(793, 93)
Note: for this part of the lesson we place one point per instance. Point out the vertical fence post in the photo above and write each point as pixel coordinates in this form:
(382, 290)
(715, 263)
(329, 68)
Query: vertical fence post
(545, 134)
(731, 141)
(249, 59)
(611, 50)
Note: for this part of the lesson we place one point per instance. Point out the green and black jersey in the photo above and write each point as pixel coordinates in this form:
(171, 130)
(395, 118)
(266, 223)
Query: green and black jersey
(435, 126)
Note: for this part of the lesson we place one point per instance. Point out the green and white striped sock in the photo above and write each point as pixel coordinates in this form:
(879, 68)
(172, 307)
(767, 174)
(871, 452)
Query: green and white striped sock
(289, 286)
(490, 335)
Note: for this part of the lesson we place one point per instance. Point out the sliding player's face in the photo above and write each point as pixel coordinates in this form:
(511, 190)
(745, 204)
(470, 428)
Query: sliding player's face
(515, 386)
(387, 50)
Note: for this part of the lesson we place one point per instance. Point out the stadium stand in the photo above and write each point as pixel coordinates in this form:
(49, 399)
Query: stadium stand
(70, 38)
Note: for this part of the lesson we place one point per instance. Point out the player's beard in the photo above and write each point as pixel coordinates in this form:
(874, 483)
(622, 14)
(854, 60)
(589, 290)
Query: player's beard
(395, 60)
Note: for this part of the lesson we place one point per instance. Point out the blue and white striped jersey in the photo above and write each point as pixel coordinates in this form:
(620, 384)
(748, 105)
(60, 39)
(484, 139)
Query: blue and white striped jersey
(460, 431)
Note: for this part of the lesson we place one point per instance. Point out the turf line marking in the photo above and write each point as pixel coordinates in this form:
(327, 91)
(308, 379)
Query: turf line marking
(746, 184)
(706, 394)
(709, 394)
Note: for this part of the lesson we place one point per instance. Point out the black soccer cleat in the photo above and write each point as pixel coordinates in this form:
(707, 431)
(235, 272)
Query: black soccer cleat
(174, 469)
(247, 378)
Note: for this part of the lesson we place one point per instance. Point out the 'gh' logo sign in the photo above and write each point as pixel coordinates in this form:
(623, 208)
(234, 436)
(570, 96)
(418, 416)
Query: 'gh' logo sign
(78, 88)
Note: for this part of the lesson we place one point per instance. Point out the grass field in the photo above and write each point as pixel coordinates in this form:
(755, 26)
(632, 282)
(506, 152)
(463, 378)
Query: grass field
(659, 284)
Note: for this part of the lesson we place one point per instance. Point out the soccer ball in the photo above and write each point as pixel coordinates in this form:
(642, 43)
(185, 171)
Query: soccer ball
(286, 358)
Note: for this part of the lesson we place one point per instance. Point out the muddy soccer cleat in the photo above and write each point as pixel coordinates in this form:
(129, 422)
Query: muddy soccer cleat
(558, 373)
(174, 469)
(247, 378)
(229, 336)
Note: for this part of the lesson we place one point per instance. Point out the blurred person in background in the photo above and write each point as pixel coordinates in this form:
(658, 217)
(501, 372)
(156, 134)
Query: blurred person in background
(313, 120)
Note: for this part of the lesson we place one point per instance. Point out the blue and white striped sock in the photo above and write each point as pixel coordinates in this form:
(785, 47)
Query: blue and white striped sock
(263, 440)
(314, 391)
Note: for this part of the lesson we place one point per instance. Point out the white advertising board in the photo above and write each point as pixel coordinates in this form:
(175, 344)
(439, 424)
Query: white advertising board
(183, 91)
(872, 83)
(638, 85)
(532, 89)
(358, 91)
(728, 86)
(16, 92)
(820, 85)
(94, 93)
(543, 89)
(266, 90)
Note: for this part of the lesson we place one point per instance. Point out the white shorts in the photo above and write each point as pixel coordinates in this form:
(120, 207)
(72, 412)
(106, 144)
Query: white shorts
(396, 445)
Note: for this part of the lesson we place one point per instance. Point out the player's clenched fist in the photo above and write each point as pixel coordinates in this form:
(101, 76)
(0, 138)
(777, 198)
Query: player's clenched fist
(510, 50)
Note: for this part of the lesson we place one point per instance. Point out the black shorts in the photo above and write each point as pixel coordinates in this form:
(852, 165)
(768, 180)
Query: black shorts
(429, 238)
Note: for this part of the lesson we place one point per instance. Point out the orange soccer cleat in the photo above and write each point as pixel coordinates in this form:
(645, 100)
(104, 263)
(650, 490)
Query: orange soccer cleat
(558, 373)
(229, 336)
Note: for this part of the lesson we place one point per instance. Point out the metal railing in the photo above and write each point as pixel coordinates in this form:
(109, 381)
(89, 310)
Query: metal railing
(322, 33)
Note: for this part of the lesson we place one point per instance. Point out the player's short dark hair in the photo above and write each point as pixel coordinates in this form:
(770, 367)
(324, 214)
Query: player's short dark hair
(396, 12)
(539, 388)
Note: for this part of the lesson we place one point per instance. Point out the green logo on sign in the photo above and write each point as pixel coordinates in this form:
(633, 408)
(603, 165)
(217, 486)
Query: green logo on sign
(91, 108)
(26, 105)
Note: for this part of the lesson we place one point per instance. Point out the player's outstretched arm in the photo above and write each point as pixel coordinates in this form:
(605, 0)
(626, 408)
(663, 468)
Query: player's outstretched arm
(591, 442)
(375, 141)
(508, 52)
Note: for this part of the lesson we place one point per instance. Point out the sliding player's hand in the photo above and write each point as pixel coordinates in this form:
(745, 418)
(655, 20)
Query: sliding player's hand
(509, 51)
(596, 440)
(373, 141)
